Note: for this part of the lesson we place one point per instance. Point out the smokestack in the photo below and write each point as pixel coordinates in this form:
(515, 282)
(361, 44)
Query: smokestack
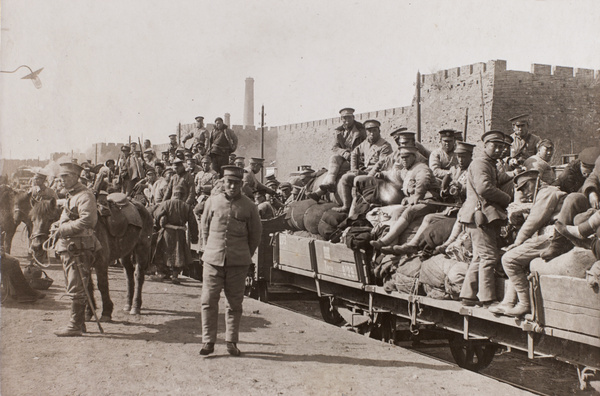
(249, 103)
(227, 119)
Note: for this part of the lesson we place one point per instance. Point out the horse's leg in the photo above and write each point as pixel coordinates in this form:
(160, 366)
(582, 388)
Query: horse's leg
(129, 273)
(142, 258)
(102, 279)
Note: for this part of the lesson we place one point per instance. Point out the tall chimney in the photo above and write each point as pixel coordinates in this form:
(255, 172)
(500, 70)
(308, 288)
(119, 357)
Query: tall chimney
(227, 119)
(249, 103)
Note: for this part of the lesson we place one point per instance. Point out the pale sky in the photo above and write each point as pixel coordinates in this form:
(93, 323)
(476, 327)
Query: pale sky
(114, 68)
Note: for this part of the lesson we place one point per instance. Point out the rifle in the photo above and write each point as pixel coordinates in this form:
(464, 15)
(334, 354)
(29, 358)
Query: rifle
(437, 203)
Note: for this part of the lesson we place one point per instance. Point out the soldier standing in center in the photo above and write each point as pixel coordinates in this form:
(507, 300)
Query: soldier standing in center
(184, 179)
(231, 232)
(482, 214)
(347, 137)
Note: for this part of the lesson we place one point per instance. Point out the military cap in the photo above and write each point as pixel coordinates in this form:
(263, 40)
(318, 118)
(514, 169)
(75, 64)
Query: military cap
(307, 172)
(520, 119)
(188, 155)
(240, 158)
(177, 160)
(398, 131)
(589, 155)
(257, 160)
(109, 162)
(493, 136)
(40, 175)
(218, 119)
(408, 150)
(70, 168)
(285, 186)
(304, 167)
(463, 147)
(522, 178)
(232, 172)
(545, 143)
(372, 124)
(148, 150)
(199, 118)
(151, 171)
(167, 170)
(272, 183)
(508, 139)
(173, 135)
(458, 136)
(125, 148)
(118, 198)
(446, 134)
(205, 158)
(260, 191)
(347, 111)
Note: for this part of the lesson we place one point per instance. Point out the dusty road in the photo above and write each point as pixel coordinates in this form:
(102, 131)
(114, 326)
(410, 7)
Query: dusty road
(156, 353)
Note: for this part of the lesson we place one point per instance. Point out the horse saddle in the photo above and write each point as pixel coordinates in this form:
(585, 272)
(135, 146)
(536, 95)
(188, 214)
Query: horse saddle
(122, 214)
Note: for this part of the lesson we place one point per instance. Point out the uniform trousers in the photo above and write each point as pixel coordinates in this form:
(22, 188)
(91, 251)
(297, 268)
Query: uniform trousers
(231, 279)
(218, 161)
(516, 261)
(479, 280)
(73, 281)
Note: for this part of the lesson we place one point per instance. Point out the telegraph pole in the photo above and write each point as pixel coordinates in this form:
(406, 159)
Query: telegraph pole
(419, 107)
(262, 138)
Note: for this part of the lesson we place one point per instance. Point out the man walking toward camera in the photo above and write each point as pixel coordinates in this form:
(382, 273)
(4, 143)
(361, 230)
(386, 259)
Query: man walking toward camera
(231, 232)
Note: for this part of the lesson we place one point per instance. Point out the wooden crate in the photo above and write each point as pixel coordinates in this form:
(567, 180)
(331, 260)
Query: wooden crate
(570, 304)
(337, 260)
(296, 252)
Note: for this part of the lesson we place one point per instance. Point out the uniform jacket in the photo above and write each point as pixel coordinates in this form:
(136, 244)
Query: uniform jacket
(199, 138)
(366, 155)
(252, 184)
(547, 174)
(205, 181)
(570, 180)
(135, 167)
(185, 180)
(231, 230)
(483, 180)
(419, 180)
(524, 148)
(78, 219)
(440, 162)
(207, 138)
(357, 135)
(591, 184)
(172, 238)
(387, 163)
(159, 189)
(548, 202)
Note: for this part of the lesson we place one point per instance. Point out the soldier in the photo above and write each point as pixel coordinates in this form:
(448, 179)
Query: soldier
(362, 159)
(240, 162)
(482, 214)
(265, 209)
(159, 189)
(173, 146)
(220, 143)
(540, 161)
(76, 244)
(39, 191)
(524, 142)
(205, 180)
(347, 137)
(150, 159)
(199, 135)
(182, 178)
(104, 178)
(418, 184)
(231, 232)
(191, 166)
(573, 176)
(443, 158)
(403, 138)
(250, 183)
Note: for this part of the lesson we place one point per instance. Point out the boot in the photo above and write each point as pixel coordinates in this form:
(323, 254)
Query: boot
(174, 279)
(233, 349)
(523, 307)
(328, 183)
(76, 326)
(395, 231)
(559, 245)
(573, 235)
(509, 301)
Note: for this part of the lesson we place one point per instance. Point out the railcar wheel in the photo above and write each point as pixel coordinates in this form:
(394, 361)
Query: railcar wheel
(472, 355)
(329, 312)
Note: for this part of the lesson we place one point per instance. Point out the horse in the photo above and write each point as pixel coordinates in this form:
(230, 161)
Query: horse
(15, 206)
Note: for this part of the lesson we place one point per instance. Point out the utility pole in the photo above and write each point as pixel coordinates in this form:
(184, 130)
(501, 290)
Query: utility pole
(418, 106)
(262, 139)
(96, 154)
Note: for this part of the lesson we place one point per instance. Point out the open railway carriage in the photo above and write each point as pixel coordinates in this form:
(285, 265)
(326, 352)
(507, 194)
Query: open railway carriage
(564, 323)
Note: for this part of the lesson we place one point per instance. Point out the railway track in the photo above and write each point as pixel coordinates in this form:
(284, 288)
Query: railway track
(541, 377)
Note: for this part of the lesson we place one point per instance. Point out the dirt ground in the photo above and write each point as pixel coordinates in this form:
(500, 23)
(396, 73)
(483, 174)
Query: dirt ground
(156, 353)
